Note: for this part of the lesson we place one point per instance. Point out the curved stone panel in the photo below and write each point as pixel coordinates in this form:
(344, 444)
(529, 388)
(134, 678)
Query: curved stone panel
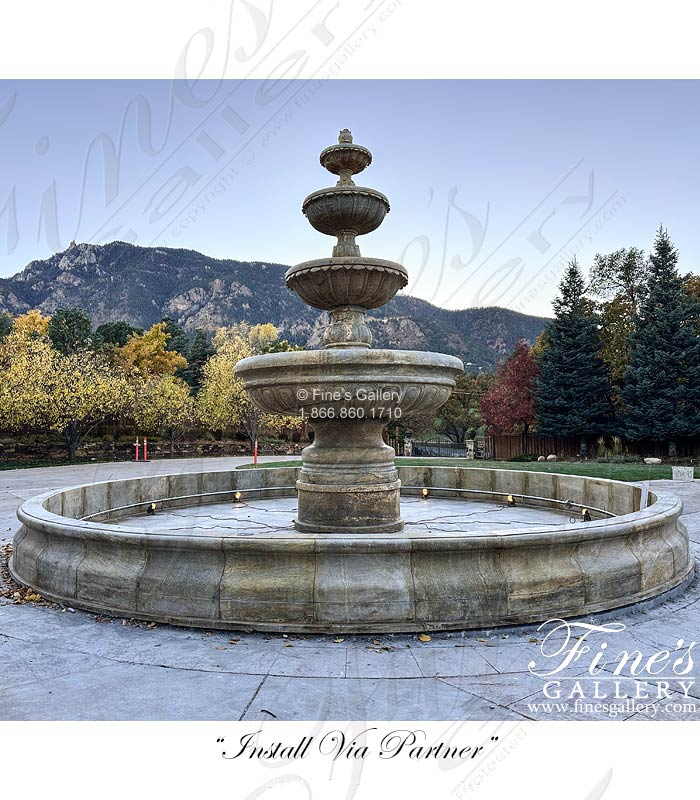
(77, 547)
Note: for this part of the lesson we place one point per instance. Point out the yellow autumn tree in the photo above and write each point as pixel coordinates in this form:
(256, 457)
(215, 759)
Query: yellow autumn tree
(84, 390)
(147, 354)
(262, 338)
(33, 323)
(66, 395)
(222, 401)
(26, 362)
(163, 404)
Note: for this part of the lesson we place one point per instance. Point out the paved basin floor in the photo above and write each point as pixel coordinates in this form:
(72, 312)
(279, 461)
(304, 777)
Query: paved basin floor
(275, 516)
(67, 664)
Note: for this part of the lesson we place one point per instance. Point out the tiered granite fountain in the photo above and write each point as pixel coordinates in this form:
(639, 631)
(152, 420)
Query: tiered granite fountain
(324, 548)
(348, 482)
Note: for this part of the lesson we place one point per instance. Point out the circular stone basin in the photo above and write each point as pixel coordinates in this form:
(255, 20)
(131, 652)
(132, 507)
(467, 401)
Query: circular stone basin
(220, 552)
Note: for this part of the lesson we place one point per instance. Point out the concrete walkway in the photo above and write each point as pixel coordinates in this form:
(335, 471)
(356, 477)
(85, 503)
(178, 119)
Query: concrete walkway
(63, 664)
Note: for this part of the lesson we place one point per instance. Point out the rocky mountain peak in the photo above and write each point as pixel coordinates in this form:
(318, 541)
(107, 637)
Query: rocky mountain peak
(123, 281)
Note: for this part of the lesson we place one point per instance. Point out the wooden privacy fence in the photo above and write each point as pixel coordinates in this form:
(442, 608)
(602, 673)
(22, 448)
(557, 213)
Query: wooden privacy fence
(685, 448)
(510, 445)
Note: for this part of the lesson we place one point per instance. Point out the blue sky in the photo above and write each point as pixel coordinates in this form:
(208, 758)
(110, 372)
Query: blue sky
(494, 185)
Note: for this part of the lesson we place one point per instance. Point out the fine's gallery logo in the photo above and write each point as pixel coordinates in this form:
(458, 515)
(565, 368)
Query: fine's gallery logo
(588, 668)
(349, 402)
(321, 394)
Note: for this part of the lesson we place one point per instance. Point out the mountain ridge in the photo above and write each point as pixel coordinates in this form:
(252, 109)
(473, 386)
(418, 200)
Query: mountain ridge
(120, 280)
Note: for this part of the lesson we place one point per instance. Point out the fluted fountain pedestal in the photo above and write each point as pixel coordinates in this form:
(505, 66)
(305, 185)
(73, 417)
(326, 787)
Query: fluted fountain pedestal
(348, 482)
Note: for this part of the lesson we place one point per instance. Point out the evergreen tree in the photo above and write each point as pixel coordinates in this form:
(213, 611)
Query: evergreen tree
(572, 389)
(662, 382)
(70, 330)
(115, 333)
(201, 350)
(179, 341)
(5, 324)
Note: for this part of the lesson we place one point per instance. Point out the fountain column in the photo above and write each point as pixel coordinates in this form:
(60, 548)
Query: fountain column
(348, 472)
(348, 391)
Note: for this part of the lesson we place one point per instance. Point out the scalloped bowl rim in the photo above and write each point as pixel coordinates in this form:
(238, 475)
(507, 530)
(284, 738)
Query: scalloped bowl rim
(346, 262)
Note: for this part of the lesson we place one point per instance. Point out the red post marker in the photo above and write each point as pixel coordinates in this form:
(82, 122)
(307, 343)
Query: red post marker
(255, 452)
(145, 449)
(136, 444)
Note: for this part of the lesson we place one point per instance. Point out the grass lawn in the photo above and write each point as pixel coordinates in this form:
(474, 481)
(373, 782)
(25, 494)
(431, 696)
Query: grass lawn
(618, 472)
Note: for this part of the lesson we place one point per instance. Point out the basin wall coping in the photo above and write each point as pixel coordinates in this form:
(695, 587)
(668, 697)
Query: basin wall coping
(33, 512)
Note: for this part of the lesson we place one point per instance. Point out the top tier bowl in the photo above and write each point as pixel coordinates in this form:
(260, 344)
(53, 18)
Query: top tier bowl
(345, 158)
(345, 210)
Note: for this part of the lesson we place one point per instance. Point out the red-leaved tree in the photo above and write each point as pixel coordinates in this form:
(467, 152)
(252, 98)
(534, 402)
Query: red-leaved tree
(509, 404)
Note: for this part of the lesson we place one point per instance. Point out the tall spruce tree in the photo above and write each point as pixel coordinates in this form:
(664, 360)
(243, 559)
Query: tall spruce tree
(572, 389)
(5, 324)
(662, 382)
(70, 330)
(178, 340)
(200, 351)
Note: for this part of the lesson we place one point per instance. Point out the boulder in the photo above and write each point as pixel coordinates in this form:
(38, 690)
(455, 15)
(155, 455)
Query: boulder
(551, 457)
(652, 461)
(541, 458)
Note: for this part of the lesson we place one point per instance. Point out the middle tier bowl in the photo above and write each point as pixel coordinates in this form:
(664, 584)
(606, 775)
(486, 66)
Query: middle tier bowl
(328, 283)
(337, 208)
(350, 381)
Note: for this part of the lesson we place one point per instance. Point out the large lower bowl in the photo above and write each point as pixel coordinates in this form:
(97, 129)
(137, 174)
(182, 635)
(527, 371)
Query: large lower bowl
(349, 381)
(329, 283)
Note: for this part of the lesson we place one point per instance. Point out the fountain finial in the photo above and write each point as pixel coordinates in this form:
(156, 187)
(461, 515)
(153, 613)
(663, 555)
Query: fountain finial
(345, 159)
(346, 284)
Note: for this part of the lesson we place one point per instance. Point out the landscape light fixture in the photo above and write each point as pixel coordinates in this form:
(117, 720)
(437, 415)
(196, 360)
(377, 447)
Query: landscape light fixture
(238, 501)
(511, 501)
(424, 492)
(585, 515)
(151, 509)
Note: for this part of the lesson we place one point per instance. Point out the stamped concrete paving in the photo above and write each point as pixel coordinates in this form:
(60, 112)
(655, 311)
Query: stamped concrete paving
(275, 516)
(67, 664)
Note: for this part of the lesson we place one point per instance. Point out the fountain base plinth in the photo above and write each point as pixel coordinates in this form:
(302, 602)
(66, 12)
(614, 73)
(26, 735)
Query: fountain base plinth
(368, 509)
(348, 482)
